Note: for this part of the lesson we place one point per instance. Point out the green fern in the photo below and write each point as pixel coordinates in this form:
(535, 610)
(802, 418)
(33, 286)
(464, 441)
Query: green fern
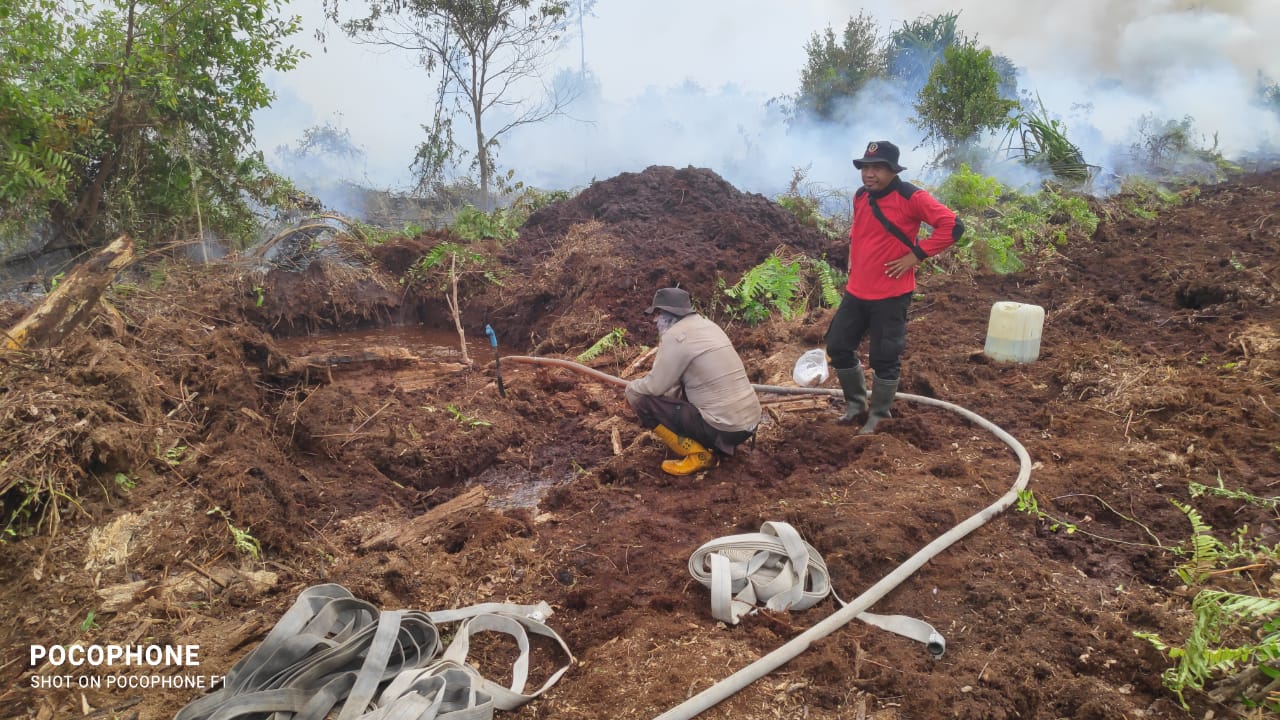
(1198, 489)
(241, 539)
(830, 281)
(1205, 551)
(768, 286)
(786, 285)
(471, 224)
(1203, 657)
(612, 341)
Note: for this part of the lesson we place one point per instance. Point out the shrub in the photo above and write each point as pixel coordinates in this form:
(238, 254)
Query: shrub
(1002, 224)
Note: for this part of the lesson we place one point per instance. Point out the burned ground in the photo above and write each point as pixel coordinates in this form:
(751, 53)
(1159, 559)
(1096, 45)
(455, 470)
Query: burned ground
(1158, 369)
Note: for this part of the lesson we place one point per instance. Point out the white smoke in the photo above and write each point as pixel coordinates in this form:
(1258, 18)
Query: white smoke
(1171, 59)
(694, 84)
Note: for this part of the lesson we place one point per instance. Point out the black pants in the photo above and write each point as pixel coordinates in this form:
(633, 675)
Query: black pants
(884, 321)
(684, 419)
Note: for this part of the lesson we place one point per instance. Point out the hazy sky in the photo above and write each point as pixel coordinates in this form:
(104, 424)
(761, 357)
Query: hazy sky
(1099, 65)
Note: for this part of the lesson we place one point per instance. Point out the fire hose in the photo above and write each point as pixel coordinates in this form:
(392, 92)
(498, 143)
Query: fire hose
(727, 687)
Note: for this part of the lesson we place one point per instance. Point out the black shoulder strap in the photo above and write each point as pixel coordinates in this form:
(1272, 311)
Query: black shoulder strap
(894, 230)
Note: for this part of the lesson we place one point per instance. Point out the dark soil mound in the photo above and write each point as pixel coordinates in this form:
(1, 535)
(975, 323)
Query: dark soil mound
(594, 261)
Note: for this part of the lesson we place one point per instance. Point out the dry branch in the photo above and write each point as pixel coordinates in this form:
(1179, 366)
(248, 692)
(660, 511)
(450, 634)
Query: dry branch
(315, 224)
(635, 364)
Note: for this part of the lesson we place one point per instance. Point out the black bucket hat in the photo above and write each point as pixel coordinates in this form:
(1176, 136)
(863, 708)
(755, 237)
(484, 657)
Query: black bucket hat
(673, 300)
(880, 151)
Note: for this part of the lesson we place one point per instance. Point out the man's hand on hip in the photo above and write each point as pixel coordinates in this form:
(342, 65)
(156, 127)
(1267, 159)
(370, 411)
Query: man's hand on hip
(896, 268)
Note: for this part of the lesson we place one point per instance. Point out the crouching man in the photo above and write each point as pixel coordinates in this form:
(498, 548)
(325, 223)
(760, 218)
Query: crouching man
(697, 399)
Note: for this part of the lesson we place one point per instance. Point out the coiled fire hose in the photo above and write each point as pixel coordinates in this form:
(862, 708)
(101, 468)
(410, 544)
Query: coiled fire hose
(727, 687)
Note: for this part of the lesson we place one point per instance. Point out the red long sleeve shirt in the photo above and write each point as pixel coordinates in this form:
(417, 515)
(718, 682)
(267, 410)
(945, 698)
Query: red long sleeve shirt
(871, 245)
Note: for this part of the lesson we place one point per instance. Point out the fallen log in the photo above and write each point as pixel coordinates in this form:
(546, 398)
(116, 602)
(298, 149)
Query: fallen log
(417, 528)
(786, 404)
(388, 355)
(73, 301)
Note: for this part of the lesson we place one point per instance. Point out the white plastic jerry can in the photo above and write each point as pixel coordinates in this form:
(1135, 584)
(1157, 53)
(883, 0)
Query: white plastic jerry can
(1013, 333)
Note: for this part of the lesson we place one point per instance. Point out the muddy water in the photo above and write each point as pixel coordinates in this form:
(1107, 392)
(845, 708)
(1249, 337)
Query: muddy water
(512, 487)
(508, 486)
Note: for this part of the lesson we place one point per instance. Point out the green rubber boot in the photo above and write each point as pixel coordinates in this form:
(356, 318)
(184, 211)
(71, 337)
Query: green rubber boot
(854, 384)
(882, 392)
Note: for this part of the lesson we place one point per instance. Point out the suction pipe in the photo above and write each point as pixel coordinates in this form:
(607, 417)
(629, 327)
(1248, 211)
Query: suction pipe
(727, 687)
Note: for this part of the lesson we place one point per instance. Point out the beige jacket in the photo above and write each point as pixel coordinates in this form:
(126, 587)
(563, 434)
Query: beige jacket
(695, 352)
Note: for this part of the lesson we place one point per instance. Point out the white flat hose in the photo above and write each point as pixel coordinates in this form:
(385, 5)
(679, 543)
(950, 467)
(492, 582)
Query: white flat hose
(767, 664)
(729, 686)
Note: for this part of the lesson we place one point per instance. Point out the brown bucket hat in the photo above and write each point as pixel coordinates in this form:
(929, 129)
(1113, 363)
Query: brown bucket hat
(673, 300)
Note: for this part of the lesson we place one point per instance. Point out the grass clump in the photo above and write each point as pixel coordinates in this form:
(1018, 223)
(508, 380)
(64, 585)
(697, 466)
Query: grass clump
(1041, 142)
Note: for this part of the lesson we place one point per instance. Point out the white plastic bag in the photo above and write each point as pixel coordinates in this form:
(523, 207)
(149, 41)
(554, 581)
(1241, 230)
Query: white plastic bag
(811, 369)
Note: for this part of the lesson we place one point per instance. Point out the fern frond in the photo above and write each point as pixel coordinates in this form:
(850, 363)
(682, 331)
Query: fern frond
(1202, 657)
(830, 282)
(611, 341)
(1205, 551)
(780, 283)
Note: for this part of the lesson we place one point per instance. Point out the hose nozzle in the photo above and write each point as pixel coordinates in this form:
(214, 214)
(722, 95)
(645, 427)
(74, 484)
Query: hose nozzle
(936, 645)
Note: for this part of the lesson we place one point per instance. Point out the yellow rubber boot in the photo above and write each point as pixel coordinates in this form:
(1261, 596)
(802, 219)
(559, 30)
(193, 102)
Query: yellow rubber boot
(699, 458)
(681, 446)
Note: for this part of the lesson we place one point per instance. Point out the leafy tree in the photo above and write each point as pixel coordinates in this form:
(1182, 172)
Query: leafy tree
(44, 109)
(1008, 73)
(838, 69)
(485, 52)
(1267, 92)
(961, 100)
(329, 139)
(322, 161)
(913, 49)
(138, 114)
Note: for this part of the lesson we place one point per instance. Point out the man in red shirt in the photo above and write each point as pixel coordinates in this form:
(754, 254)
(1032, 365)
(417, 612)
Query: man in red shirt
(883, 254)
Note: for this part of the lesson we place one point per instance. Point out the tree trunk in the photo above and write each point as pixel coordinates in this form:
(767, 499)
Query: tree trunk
(85, 213)
(482, 156)
(73, 301)
(455, 308)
